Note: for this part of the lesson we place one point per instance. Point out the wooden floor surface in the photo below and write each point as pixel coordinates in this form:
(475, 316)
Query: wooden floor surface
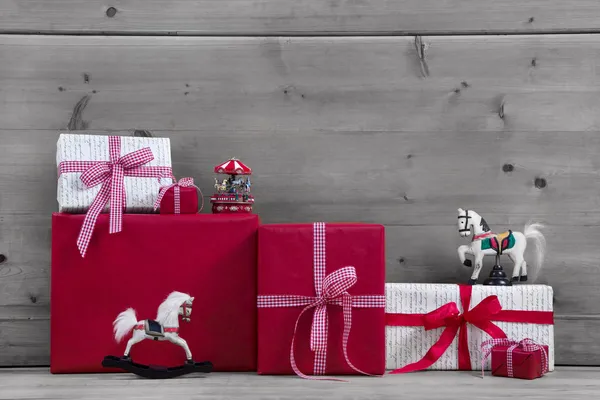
(565, 382)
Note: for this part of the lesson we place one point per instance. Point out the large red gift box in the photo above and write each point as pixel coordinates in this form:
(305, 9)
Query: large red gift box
(346, 264)
(525, 363)
(210, 257)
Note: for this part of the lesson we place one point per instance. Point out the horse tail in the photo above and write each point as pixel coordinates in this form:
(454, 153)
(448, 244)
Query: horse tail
(532, 231)
(124, 323)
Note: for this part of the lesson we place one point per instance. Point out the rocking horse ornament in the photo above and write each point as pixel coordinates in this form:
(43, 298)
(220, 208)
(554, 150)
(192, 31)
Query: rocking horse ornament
(164, 327)
(487, 243)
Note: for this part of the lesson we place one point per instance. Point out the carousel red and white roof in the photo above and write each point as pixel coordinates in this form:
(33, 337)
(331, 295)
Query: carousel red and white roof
(233, 167)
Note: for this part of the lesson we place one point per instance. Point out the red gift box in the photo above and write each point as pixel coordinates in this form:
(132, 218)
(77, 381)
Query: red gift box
(210, 257)
(188, 201)
(179, 198)
(315, 274)
(523, 359)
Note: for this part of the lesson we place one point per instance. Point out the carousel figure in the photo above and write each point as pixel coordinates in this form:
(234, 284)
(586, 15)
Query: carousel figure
(233, 193)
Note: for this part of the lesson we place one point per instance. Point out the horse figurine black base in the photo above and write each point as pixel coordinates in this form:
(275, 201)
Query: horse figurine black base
(497, 276)
(155, 371)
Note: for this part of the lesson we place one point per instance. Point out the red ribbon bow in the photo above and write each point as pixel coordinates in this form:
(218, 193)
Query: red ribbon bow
(330, 290)
(110, 174)
(453, 322)
(526, 344)
(183, 182)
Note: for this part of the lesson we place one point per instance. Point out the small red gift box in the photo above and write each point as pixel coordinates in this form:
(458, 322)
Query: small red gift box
(179, 198)
(524, 359)
(321, 299)
(209, 257)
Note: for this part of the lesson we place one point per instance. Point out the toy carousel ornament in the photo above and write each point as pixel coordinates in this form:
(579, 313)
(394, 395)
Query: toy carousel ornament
(165, 327)
(487, 243)
(233, 193)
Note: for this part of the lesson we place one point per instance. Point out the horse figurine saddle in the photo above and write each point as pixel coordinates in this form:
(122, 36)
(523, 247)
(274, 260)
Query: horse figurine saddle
(153, 328)
(500, 242)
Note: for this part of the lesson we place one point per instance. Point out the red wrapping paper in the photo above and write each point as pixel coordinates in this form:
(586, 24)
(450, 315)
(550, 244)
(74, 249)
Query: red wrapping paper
(189, 201)
(285, 266)
(211, 257)
(526, 364)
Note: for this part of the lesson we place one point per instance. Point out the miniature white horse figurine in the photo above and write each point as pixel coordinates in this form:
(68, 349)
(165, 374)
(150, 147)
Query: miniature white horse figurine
(165, 327)
(220, 187)
(487, 243)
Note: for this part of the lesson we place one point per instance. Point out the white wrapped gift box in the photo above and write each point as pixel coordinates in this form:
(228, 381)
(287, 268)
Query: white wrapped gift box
(408, 344)
(140, 192)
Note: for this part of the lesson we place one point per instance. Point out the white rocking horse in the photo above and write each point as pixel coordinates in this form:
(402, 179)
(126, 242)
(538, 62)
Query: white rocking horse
(487, 243)
(165, 327)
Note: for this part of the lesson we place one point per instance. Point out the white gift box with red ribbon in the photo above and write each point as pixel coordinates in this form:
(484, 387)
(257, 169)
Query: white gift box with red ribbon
(113, 174)
(409, 345)
(141, 192)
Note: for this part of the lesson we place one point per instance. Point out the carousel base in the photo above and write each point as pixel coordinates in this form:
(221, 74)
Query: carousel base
(231, 204)
(231, 208)
(154, 371)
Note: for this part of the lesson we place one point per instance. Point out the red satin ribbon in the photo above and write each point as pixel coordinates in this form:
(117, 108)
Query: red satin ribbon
(453, 322)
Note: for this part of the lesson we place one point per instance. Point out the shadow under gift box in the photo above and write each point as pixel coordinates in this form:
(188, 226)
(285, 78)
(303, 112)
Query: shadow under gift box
(211, 257)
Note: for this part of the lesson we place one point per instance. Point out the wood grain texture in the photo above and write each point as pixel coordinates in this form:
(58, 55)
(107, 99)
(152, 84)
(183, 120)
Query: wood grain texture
(289, 17)
(24, 342)
(573, 382)
(337, 129)
(295, 85)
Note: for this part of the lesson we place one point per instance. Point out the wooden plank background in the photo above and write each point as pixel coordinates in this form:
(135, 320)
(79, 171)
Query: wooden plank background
(356, 128)
(298, 17)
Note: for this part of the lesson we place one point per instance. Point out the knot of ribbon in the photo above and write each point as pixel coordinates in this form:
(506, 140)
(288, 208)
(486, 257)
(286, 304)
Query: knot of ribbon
(455, 323)
(334, 289)
(526, 345)
(331, 289)
(176, 185)
(110, 175)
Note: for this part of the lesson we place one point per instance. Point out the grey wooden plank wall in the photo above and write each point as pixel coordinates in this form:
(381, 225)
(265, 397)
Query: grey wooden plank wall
(392, 129)
(303, 17)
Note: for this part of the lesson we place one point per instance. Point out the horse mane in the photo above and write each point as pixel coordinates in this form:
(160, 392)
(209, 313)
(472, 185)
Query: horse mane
(171, 304)
(484, 225)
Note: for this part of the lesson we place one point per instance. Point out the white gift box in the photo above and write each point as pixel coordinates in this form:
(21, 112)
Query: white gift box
(140, 192)
(408, 344)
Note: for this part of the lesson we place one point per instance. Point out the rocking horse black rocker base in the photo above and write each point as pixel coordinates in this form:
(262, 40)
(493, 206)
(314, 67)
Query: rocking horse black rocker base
(155, 371)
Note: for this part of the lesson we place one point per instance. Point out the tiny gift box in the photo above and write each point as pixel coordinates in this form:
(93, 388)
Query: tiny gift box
(209, 257)
(321, 299)
(524, 359)
(180, 197)
(442, 326)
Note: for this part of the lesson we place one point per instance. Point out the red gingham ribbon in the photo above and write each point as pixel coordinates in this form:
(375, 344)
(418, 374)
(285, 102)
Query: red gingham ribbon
(330, 290)
(110, 174)
(525, 344)
(183, 182)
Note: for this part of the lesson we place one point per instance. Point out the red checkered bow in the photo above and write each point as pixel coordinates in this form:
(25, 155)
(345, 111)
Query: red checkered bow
(183, 182)
(525, 345)
(330, 290)
(110, 174)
